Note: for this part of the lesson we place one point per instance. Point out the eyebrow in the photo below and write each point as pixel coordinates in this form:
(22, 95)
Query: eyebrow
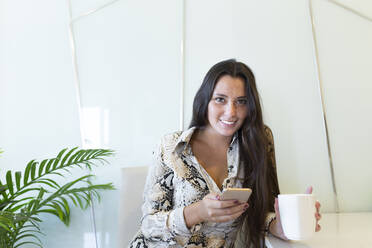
(239, 97)
(218, 94)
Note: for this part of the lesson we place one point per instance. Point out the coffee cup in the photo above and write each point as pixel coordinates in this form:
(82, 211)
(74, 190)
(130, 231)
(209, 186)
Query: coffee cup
(297, 215)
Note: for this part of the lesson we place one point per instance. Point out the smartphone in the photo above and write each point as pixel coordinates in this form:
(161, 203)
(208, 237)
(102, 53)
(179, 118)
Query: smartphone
(240, 194)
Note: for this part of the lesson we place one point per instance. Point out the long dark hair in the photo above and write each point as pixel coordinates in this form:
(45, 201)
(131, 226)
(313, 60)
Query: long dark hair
(253, 144)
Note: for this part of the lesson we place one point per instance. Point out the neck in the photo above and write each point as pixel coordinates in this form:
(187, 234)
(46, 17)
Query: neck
(211, 137)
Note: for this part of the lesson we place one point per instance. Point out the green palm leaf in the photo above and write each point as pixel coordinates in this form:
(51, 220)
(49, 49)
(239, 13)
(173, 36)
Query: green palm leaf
(23, 197)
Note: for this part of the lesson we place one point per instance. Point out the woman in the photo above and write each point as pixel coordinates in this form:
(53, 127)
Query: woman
(226, 145)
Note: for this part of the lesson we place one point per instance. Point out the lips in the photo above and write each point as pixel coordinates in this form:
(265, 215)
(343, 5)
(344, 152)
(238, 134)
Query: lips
(228, 123)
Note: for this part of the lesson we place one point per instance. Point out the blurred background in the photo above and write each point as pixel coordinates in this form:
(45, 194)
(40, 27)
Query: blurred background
(120, 74)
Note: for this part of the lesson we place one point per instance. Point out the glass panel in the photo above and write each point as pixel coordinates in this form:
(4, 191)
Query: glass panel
(345, 53)
(38, 108)
(83, 7)
(361, 6)
(129, 66)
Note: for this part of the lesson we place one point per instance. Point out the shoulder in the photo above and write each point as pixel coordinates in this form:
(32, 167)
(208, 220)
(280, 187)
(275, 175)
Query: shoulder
(270, 148)
(172, 136)
(176, 139)
(169, 141)
(172, 144)
(165, 155)
(268, 132)
(269, 136)
(269, 139)
(168, 144)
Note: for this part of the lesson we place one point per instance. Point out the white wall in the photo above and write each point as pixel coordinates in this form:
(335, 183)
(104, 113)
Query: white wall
(275, 40)
(129, 64)
(129, 61)
(345, 53)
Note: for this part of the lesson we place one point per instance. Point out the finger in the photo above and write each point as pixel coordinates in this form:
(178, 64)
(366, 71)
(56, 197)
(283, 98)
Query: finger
(232, 210)
(225, 218)
(212, 196)
(317, 228)
(317, 205)
(318, 216)
(309, 190)
(276, 207)
(219, 212)
(220, 204)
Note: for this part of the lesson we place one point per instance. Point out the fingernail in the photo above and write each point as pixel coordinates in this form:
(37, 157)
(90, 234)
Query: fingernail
(236, 201)
(217, 197)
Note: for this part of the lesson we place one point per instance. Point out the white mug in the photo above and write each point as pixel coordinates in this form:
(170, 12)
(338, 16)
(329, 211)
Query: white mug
(297, 215)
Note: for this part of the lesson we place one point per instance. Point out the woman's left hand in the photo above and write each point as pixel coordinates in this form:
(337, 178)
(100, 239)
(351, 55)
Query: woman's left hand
(276, 228)
(318, 216)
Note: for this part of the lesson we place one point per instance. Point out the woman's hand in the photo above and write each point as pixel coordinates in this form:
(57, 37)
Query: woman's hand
(276, 228)
(309, 190)
(212, 209)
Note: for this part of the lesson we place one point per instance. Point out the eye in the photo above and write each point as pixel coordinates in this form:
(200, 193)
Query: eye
(241, 101)
(219, 100)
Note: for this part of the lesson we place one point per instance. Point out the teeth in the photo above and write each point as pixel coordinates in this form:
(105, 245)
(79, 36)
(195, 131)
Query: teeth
(228, 122)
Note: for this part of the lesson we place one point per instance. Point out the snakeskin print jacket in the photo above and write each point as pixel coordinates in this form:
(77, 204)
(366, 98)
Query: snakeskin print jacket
(175, 181)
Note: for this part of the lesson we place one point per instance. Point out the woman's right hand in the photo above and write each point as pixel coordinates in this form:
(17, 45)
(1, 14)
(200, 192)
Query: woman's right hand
(212, 209)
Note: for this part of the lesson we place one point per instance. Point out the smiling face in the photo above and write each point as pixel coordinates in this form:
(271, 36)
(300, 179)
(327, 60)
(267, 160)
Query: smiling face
(227, 108)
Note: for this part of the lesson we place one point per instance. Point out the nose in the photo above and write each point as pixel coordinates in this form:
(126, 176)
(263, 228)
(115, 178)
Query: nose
(230, 109)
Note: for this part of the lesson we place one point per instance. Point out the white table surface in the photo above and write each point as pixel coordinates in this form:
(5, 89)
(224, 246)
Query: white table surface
(351, 230)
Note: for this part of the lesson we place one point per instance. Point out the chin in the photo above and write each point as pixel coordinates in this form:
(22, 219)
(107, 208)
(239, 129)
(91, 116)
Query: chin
(227, 133)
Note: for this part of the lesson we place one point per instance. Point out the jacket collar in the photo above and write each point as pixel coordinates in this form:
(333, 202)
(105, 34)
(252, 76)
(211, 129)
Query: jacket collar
(184, 139)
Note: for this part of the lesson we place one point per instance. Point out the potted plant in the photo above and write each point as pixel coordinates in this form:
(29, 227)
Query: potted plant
(24, 196)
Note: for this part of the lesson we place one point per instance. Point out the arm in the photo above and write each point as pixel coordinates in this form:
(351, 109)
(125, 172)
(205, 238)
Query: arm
(271, 163)
(160, 221)
(212, 209)
(271, 222)
(275, 226)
